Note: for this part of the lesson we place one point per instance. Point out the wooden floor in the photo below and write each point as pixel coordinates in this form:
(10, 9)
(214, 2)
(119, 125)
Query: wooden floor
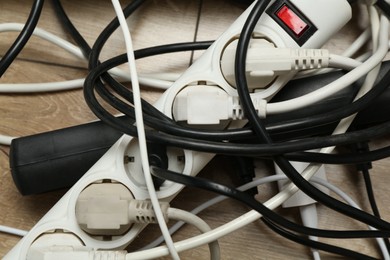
(157, 22)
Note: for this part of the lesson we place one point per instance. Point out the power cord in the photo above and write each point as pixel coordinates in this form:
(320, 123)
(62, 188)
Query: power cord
(251, 202)
(141, 130)
(364, 168)
(261, 181)
(158, 81)
(23, 37)
(383, 6)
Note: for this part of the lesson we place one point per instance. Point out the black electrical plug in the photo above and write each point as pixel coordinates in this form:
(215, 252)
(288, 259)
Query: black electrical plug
(158, 157)
(244, 167)
(362, 147)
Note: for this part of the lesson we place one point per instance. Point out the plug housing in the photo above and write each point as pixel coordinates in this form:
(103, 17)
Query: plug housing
(210, 105)
(109, 209)
(265, 62)
(101, 209)
(201, 105)
(141, 211)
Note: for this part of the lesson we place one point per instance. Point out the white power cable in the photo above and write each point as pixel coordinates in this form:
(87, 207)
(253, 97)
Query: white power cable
(309, 218)
(141, 130)
(159, 80)
(152, 251)
(358, 43)
(13, 231)
(352, 49)
(193, 219)
(335, 62)
(6, 140)
(69, 47)
(339, 84)
(41, 87)
(68, 85)
(368, 83)
(341, 62)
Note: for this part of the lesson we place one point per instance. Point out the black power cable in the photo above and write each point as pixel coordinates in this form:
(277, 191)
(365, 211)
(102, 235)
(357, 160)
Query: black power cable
(245, 149)
(263, 135)
(95, 51)
(67, 23)
(372, 200)
(343, 158)
(364, 168)
(108, 31)
(268, 214)
(384, 7)
(124, 92)
(23, 36)
(315, 244)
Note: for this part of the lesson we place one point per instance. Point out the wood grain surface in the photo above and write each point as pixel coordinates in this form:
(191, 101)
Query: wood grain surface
(157, 22)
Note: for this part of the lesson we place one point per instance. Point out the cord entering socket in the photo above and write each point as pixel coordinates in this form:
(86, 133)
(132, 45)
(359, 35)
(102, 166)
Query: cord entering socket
(260, 70)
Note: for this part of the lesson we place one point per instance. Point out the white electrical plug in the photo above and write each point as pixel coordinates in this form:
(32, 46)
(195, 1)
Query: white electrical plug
(210, 105)
(307, 206)
(265, 62)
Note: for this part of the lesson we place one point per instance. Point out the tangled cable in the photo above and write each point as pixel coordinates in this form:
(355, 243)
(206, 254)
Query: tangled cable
(268, 139)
